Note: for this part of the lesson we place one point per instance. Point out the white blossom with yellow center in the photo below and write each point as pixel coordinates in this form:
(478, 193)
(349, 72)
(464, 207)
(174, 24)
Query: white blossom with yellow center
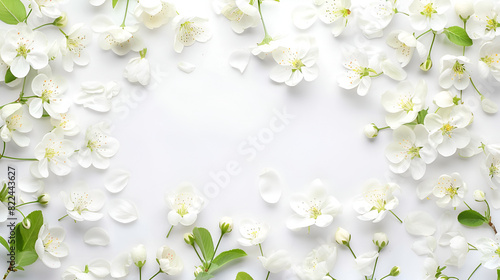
(405, 45)
(318, 263)
(189, 30)
(16, 124)
(376, 200)
(242, 14)
(449, 189)
(50, 247)
(74, 47)
(489, 60)
(252, 232)
(404, 102)
(454, 72)
(337, 13)
(484, 22)
(98, 147)
(428, 14)
(185, 204)
(83, 204)
(49, 91)
(52, 153)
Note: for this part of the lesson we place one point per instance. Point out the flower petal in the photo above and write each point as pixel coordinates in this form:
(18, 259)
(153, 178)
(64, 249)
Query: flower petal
(420, 223)
(239, 59)
(270, 186)
(96, 236)
(123, 211)
(117, 180)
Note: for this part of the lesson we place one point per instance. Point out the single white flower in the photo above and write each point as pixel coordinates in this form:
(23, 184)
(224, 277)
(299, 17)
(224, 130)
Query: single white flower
(120, 265)
(73, 47)
(376, 16)
(94, 270)
(359, 71)
(98, 147)
(49, 8)
(410, 151)
(318, 263)
(479, 196)
(404, 103)
(22, 48)
(52, 153)
(276, 261)
(370, 130)
(337, 13)
(489, 248)
(428, 13)
(16, 124)
(50, 247)
(50, 98)
(226, 224)
(464, 8)
(449, 189)
(376, 200)
(459, 249)
(138, 69)
(447, 129)
(483, 24)
(342, 236)
(454, 72)
(296, 62)
(431, 269)
(380, 239)
(365, 262)
(315, 207)
(491, 169)
(405, 45)
(189, 29)
(120, 39)
(97, 96)
(66, 123)
(155, 13)
(83, 204)
(185, 204)
(253, 232)
(489, 60)
(139, 255)
(240, 13)
(170, 263)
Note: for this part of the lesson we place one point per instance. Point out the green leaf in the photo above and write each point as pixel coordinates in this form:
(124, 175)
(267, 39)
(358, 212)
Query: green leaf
(12, 11)
(204, 240)
(243, 276)
(5, 244)
(458, 36)
(9, 77)
(29, 236)
(114, 3)
(421, 116)
(204, 276)
(26, 258)
(225, 257)
(498, 274)
(471, 218)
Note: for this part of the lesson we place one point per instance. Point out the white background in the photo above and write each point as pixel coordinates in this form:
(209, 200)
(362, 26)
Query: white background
(185, 126)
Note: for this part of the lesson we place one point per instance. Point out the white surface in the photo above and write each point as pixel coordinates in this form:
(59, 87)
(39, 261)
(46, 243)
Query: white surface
(187, 127)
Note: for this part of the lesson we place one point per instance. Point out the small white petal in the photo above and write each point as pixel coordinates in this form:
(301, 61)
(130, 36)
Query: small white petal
(270, 187)
(420, 223)
(123, 211)
(120, 265)
(100, 268)
(186, 67)
(304, 16)
(96, 236)
(239, 59)
(117, 180)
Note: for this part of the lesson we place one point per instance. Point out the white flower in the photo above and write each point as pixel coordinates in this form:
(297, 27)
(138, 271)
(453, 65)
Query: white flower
(479, 196)
(97, 96)
(241, 14)
(489, 62)
(52, 153)
(83, 204)
(226, 224)
(315, 207)
(428, 13)
(276, 261)
(405, 44)
(50, 247)
(115, 37)
(459, 249)
(154, 13)
(380, 239)
(50, 92)
(464, 8)
(491, 169)
(448, 189)
(404, 103)
(318, 263)
(16, 124)
(66, 123)
(365, 262)
(253, 232)
(98, 147)
(139, 255)
(483, 24)
(410, 150)
(185, 204)
(370, 130)
(489, 248)
(267, 46)
(296, 62)
(73, 47)
(342, 236)
(23, 48)
(376, 200)
(359, 72)
(376, 15)
(447, 129)
(431, 267)
(137, 69)
(454, 72)
(170, 263)
(188, 30)
(336, 12)
(94, 270)
(49, 8)
(120, 265)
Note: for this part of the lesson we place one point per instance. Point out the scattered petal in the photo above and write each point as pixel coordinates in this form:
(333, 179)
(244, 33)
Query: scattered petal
(123, 211)
(186, 67)
(420, 223)
(117, 180)
(270, 187)
(96, 236)
(239, 59)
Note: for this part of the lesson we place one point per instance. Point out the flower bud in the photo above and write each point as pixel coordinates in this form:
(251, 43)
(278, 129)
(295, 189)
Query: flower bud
(489, 106)
(139, 255)
(26, 223)
(479, 196)
(198, 270)
(426, 65)
(62, 20)
(370, 130)
(44, 199)
(226, 225)
(394, 271)
(464, 8)
(342, 236)
(189, 238)
(380, 240)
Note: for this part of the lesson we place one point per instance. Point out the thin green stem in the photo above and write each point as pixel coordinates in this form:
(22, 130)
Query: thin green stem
(261, 252)
(467, 205)
(474, 271)
(28, 159)
(375, 266)
(3, 150)
(350, 249)
(423, 33)
(396, 216)
(328, 274)
(215, 251)
(385, 276)
(382, 128)
(63, 33)
(406, 14)
(26, 203)
(473, 247)
(62, 217)
(22, 90)
(267, 277)
(376, 75)
(125, 16)
(432, 44)
(28, 15)
(475, 87)
(50, 23)
(463, 50)
(24, 217)
(140, 273)
(267, 38)
(159, 271)
(168, 234)
(196, 251)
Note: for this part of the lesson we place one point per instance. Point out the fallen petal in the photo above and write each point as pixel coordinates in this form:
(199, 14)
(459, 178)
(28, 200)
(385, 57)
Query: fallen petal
(117, 180)
(96, 236)
(123, 211)
(239, 59)
(270, 186)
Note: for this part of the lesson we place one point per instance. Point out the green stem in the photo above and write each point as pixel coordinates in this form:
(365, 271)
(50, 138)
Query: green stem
(50, 23)
(473, 247)
(24, 217)
(385, 276)
(215, 251)
(140, 273)
(261, 252)
(406, 14)
(22, 90)
(196, 251)
(432, 44)
(63, 217)
(423, 33)
(382, 128)
(328, 274)
(26, 203)
(467, 205)
(125, 16)
(29, 159)
(155, 274)
(168, 234)
(376, 75)
(463, 50)
(3, 150)
(28, 15)
(396, 216)
(473, 271)
(375, 266)
(475, 86)
(63, 33)
(350, 249)
(267, 38)
(267, 277)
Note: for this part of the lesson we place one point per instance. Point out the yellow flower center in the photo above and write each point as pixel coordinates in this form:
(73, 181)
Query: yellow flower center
(50, 153)
(458, 68)
(447, 129)
(491, 24)
(297, 65)
(314, 212)
(493, 170)
(428, 10)
(23, 51)
(182, 210)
